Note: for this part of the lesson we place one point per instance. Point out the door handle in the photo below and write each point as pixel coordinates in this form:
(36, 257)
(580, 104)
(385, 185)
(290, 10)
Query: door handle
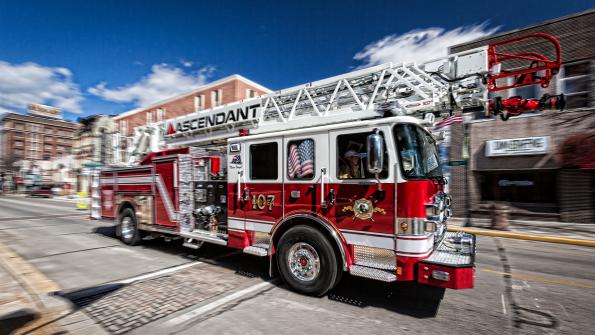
(322, 194)
(239, 185)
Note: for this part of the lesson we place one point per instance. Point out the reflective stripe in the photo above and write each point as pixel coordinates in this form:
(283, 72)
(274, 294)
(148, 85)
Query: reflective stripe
(366, 233)
(235, 224)
(370, 241)
(260, 227)
(415, 247)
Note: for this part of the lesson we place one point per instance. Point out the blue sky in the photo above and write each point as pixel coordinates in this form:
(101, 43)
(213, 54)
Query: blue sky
(110, 56)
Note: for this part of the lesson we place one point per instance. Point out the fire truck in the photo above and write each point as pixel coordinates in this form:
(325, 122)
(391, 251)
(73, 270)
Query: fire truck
(337, 175)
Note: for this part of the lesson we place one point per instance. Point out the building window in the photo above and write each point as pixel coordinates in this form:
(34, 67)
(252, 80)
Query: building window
(18, 144)
(300, 159)
(124, 127)
(527, 92)
(160, 114)
(149, 117)
(216, 97)
(575, 84)
(265, 152)
(19, 126)
(34, 128)
(49, 131)
(18, 152)
(250, 93)
(199, 102)
(47, 147)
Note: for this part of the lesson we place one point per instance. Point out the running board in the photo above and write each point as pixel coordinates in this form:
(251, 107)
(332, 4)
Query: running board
(371, 273)
(220, 239)
(259, 249)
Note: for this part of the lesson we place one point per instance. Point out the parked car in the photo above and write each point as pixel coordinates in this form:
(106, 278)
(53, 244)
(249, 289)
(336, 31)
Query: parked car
(40, 191)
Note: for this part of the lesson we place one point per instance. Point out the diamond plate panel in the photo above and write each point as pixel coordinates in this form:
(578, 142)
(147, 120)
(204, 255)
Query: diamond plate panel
(374, 257)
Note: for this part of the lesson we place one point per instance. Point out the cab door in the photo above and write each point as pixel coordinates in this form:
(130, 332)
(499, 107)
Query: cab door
(306, 156)
(263, 184)
(363, 204)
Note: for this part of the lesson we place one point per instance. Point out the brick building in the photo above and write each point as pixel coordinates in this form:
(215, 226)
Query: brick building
(40, 135)
(220, 92)
(540, 163)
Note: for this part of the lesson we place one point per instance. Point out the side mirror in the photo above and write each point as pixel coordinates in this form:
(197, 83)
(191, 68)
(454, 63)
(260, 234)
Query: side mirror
(375, 151)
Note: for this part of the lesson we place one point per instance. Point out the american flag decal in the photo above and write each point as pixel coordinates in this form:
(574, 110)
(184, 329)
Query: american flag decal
(294, 167)
(300, 160)
(306, 151)
(236, 159)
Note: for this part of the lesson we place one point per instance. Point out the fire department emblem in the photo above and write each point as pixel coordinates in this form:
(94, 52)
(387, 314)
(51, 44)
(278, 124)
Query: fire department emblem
(363, 209)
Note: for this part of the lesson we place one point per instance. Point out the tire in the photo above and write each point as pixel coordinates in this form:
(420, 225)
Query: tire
(127, 227)
(307, 261)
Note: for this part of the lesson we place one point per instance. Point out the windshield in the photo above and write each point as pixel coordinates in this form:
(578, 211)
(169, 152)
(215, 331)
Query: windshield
(417, 152)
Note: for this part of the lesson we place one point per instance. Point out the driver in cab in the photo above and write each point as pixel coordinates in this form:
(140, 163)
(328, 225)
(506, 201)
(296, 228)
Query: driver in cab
(350, 166)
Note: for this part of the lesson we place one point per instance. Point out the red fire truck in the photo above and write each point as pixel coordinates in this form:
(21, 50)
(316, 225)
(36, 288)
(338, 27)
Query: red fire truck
(338, 175)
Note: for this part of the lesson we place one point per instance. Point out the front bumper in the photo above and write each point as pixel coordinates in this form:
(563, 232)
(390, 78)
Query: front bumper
(452, 264)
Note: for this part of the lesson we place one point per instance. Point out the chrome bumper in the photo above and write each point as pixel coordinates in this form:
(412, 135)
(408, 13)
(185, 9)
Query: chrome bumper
(455, 249)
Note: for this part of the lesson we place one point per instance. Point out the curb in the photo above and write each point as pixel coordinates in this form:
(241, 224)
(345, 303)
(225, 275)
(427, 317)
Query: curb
(550, 239)
(38, 287)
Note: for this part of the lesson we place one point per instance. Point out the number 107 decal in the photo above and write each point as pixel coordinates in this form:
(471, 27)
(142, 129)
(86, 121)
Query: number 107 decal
(261, 201)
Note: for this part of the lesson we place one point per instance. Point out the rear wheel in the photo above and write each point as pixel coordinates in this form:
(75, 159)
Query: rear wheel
(128, 229)
(307, 261)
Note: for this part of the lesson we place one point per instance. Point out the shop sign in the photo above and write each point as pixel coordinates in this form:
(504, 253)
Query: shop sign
(538, 145)
(505, 182)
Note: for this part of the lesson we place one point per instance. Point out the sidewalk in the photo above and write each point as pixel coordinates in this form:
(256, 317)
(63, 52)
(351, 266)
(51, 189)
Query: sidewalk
(27, 303)
(533, 230)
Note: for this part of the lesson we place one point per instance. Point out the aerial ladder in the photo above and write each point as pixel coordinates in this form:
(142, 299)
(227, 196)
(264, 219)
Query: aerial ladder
(457, 84)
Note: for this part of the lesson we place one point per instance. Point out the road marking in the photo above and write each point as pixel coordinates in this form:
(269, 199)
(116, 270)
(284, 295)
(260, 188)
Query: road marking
(156, 273)
(541, 279)
(503, 304)
(215, 304)
(39, 217)
(37, 204)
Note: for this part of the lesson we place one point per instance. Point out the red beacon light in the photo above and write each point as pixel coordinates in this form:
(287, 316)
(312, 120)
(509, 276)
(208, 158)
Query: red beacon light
(243, 132)
(525, 68)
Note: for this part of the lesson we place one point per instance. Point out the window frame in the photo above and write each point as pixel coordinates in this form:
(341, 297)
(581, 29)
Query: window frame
(337, 160)
(399, 158)
(287, 157)
(562, 79)
(250, 161)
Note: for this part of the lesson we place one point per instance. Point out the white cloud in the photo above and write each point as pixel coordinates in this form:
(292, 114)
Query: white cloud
(163, 82)
(22, 84)
(186, 63)
(419, 45)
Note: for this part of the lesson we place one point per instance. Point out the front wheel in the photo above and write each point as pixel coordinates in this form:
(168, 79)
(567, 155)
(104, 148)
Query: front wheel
(307, 261)
(127, 229)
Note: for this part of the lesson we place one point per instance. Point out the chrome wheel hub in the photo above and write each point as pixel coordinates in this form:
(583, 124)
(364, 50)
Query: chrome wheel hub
(127, 229)
(303, 261)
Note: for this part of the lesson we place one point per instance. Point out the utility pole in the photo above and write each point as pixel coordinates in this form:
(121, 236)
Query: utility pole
(466, 154)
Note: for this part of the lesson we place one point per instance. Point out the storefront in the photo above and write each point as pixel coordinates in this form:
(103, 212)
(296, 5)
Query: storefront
(518, 171)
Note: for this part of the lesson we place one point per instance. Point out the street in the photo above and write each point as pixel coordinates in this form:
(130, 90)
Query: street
(522, 287)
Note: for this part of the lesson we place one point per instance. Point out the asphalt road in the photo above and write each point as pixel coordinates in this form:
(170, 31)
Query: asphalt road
(522, 287)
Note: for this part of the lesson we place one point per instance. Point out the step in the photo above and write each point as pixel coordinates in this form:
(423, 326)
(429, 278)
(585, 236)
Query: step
(215, 238)
(371, 273)
(259, 249)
